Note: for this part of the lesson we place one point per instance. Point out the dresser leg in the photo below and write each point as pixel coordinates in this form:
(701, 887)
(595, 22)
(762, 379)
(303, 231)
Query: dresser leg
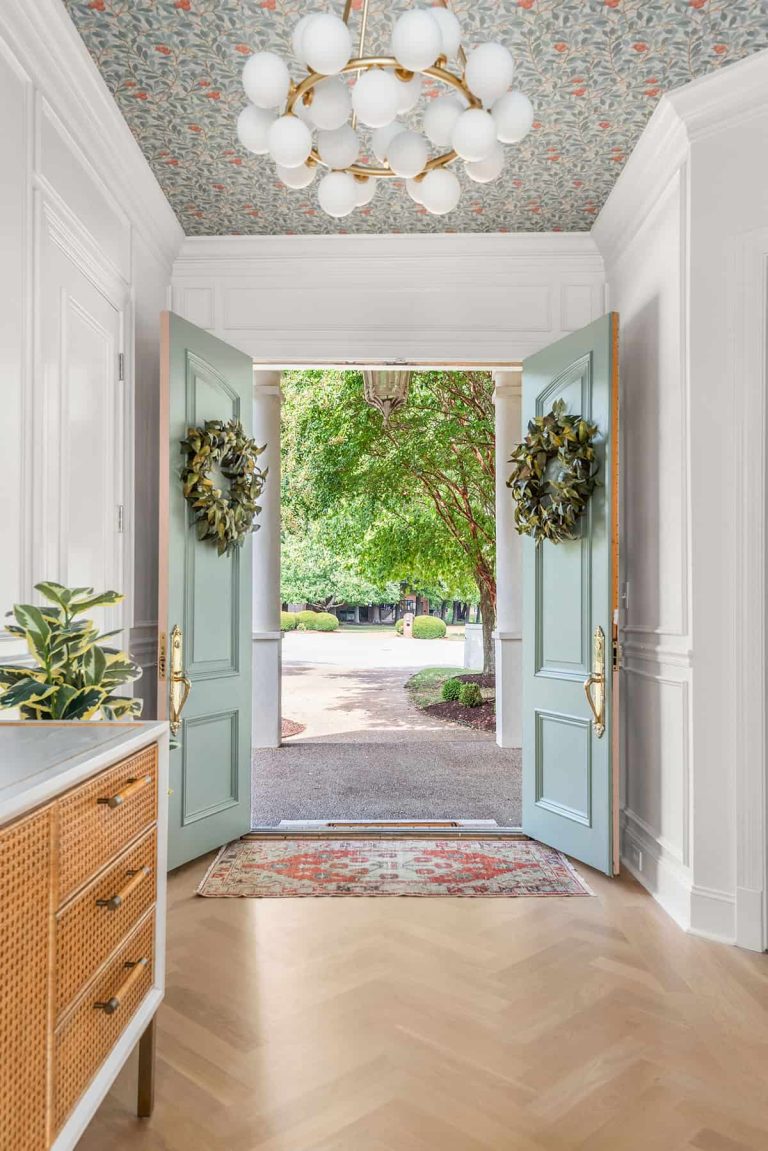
(146, 1093)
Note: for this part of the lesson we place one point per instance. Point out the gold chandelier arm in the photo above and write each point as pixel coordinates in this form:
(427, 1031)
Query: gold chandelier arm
(462, 53)
(363, 63)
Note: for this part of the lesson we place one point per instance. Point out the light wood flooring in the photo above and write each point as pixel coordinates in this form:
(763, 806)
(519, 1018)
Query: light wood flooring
(449, 1025)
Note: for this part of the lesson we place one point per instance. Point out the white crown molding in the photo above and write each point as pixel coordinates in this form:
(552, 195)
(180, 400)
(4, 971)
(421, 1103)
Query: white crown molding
(235, 253)
(713, 103)
(49, 48)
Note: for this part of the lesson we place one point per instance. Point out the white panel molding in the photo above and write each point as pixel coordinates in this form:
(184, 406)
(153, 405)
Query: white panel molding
(723, 99)
(50, 50)
(488, 298)
(748, 328)
(713, 914)
(74, 239)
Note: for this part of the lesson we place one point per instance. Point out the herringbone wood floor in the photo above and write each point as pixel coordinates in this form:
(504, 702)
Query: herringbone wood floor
(449, 1025)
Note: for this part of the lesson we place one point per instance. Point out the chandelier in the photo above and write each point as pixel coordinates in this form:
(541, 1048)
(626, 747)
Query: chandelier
(315, 123)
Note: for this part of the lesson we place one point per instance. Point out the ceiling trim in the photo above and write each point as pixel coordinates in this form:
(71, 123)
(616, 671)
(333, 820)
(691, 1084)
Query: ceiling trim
(48, 47)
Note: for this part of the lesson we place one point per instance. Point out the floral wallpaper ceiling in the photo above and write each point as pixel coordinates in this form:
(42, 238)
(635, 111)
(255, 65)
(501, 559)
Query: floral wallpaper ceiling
(594, 70)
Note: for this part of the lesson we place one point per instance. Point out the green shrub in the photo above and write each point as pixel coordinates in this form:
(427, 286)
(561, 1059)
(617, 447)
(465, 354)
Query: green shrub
(288, 621)
(305, 620)
(451, 689)
(399, 627)
(428, 627)
(470, 695)
(325, 621)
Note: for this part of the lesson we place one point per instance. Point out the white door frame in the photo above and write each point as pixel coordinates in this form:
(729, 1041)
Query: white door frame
(267, 637)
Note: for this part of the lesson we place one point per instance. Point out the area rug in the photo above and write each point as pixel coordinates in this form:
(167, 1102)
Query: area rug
(282, 868)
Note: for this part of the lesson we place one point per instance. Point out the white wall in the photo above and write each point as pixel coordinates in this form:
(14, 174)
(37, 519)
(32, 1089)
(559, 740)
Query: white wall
(686, 218)
(293, 299)
(87, 241)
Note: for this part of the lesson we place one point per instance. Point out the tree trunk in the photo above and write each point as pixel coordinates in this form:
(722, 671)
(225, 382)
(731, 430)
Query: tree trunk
(443, 609)
(454, 612)
(489, 620)
(375, 613)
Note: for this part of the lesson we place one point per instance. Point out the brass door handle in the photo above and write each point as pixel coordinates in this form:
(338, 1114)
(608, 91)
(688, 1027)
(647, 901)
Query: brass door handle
(596, 680)
(130, 789)
(136, 878)
(180, 686)
(110, 1006)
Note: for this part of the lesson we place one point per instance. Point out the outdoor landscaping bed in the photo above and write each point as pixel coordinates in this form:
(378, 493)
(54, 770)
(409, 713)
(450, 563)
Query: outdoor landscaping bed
(425, 692)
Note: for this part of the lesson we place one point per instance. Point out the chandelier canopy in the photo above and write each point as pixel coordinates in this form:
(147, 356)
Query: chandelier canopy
(316, 122)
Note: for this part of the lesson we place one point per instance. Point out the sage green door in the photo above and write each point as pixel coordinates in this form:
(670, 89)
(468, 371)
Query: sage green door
(208, 598)
(569, 602)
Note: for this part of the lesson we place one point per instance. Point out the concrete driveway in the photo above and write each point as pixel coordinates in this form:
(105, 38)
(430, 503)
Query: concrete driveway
(369, 649)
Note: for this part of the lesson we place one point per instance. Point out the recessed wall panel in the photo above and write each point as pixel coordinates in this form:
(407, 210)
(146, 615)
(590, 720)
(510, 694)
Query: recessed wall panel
(564, 765)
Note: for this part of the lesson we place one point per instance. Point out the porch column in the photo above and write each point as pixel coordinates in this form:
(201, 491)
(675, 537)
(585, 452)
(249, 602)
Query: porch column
(267, 640)
(507, 398)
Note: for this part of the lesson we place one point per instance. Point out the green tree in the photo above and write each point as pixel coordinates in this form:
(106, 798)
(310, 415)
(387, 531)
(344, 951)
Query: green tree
(420, 490)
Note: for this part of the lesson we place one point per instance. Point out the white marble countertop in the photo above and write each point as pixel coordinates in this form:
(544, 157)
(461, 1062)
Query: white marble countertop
(40, 761)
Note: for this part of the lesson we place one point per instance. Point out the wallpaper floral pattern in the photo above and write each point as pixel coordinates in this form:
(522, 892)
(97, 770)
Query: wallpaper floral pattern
(594, 70)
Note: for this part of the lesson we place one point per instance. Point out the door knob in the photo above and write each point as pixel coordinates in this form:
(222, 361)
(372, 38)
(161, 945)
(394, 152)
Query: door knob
(180, 685)
(594, 685)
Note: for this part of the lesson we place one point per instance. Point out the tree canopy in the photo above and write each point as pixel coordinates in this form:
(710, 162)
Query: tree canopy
(371, 505)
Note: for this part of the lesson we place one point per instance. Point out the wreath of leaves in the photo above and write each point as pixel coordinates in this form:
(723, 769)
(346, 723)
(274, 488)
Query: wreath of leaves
(548, 508)
(225, 518)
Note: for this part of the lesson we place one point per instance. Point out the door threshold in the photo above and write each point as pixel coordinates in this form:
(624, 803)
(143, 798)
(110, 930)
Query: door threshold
(386, 828)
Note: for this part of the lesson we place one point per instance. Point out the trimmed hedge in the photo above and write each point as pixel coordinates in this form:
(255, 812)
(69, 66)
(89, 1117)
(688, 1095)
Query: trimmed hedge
(325, 621)
(288, 621)
(428, 627)
(470, 695)
(305, 620)
(451, 690)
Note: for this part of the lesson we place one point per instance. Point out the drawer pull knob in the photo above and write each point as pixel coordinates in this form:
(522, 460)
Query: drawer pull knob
(110, 1006)
(131, 788)
(136, 879)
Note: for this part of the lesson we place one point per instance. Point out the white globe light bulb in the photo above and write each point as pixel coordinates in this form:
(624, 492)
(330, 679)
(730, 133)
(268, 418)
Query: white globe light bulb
(337, 194)
(383, 137)
(416, 40)
(253, 126)
(290, 141)
(413, 188)
(409, 92)
(326, 44)
(513, 116)
(375, 98)
(489, 71)
(474, 134)
(330, 105)
(484, 171)
(440, 191)
(366, 190)
(450, 30)
(440, 119)
(339, 148)
(407, 154)
(304, 112)
(266, 80)
(300, 177)
(298, 36)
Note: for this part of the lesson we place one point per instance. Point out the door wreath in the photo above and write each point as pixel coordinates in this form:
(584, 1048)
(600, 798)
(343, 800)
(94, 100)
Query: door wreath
(223, 516)
(554, 472)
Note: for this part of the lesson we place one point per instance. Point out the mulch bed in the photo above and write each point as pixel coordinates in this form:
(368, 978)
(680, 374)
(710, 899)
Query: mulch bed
(290, 727)
(479, 678)
(482, 718)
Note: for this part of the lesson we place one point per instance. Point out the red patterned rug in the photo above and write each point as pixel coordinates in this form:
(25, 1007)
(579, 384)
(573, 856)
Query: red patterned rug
(279, 868)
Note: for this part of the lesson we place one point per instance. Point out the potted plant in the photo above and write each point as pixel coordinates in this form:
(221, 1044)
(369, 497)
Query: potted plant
(72, 674)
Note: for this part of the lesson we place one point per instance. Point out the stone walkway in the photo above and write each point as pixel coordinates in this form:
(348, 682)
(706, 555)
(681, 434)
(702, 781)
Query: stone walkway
(366, 752)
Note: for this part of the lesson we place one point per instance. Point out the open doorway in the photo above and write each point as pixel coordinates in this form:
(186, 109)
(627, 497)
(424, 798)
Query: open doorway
(388, 596)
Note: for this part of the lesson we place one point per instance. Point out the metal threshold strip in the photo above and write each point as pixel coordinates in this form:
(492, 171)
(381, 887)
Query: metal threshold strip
(387, 828)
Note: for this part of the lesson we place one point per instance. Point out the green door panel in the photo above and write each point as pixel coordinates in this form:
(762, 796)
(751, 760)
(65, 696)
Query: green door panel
(209, 597)
(569, 591)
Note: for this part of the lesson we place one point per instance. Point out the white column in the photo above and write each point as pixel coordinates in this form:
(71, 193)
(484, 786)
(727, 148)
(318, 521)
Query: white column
(507, 398)
(267, 640)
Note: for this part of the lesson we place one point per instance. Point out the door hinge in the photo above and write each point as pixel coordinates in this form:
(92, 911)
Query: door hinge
(121, 366)
(120, 517)
(618, 655)
(161, 657)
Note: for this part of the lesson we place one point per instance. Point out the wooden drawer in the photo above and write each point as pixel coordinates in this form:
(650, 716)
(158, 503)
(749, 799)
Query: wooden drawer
(100, 818)
(87, 1035)
(92, 924)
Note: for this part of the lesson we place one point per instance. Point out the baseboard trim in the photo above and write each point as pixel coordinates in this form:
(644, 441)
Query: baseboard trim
(713, 914)
(668, 881)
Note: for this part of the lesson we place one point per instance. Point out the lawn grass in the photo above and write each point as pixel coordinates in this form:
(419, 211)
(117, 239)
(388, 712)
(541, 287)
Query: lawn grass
(425, 686)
